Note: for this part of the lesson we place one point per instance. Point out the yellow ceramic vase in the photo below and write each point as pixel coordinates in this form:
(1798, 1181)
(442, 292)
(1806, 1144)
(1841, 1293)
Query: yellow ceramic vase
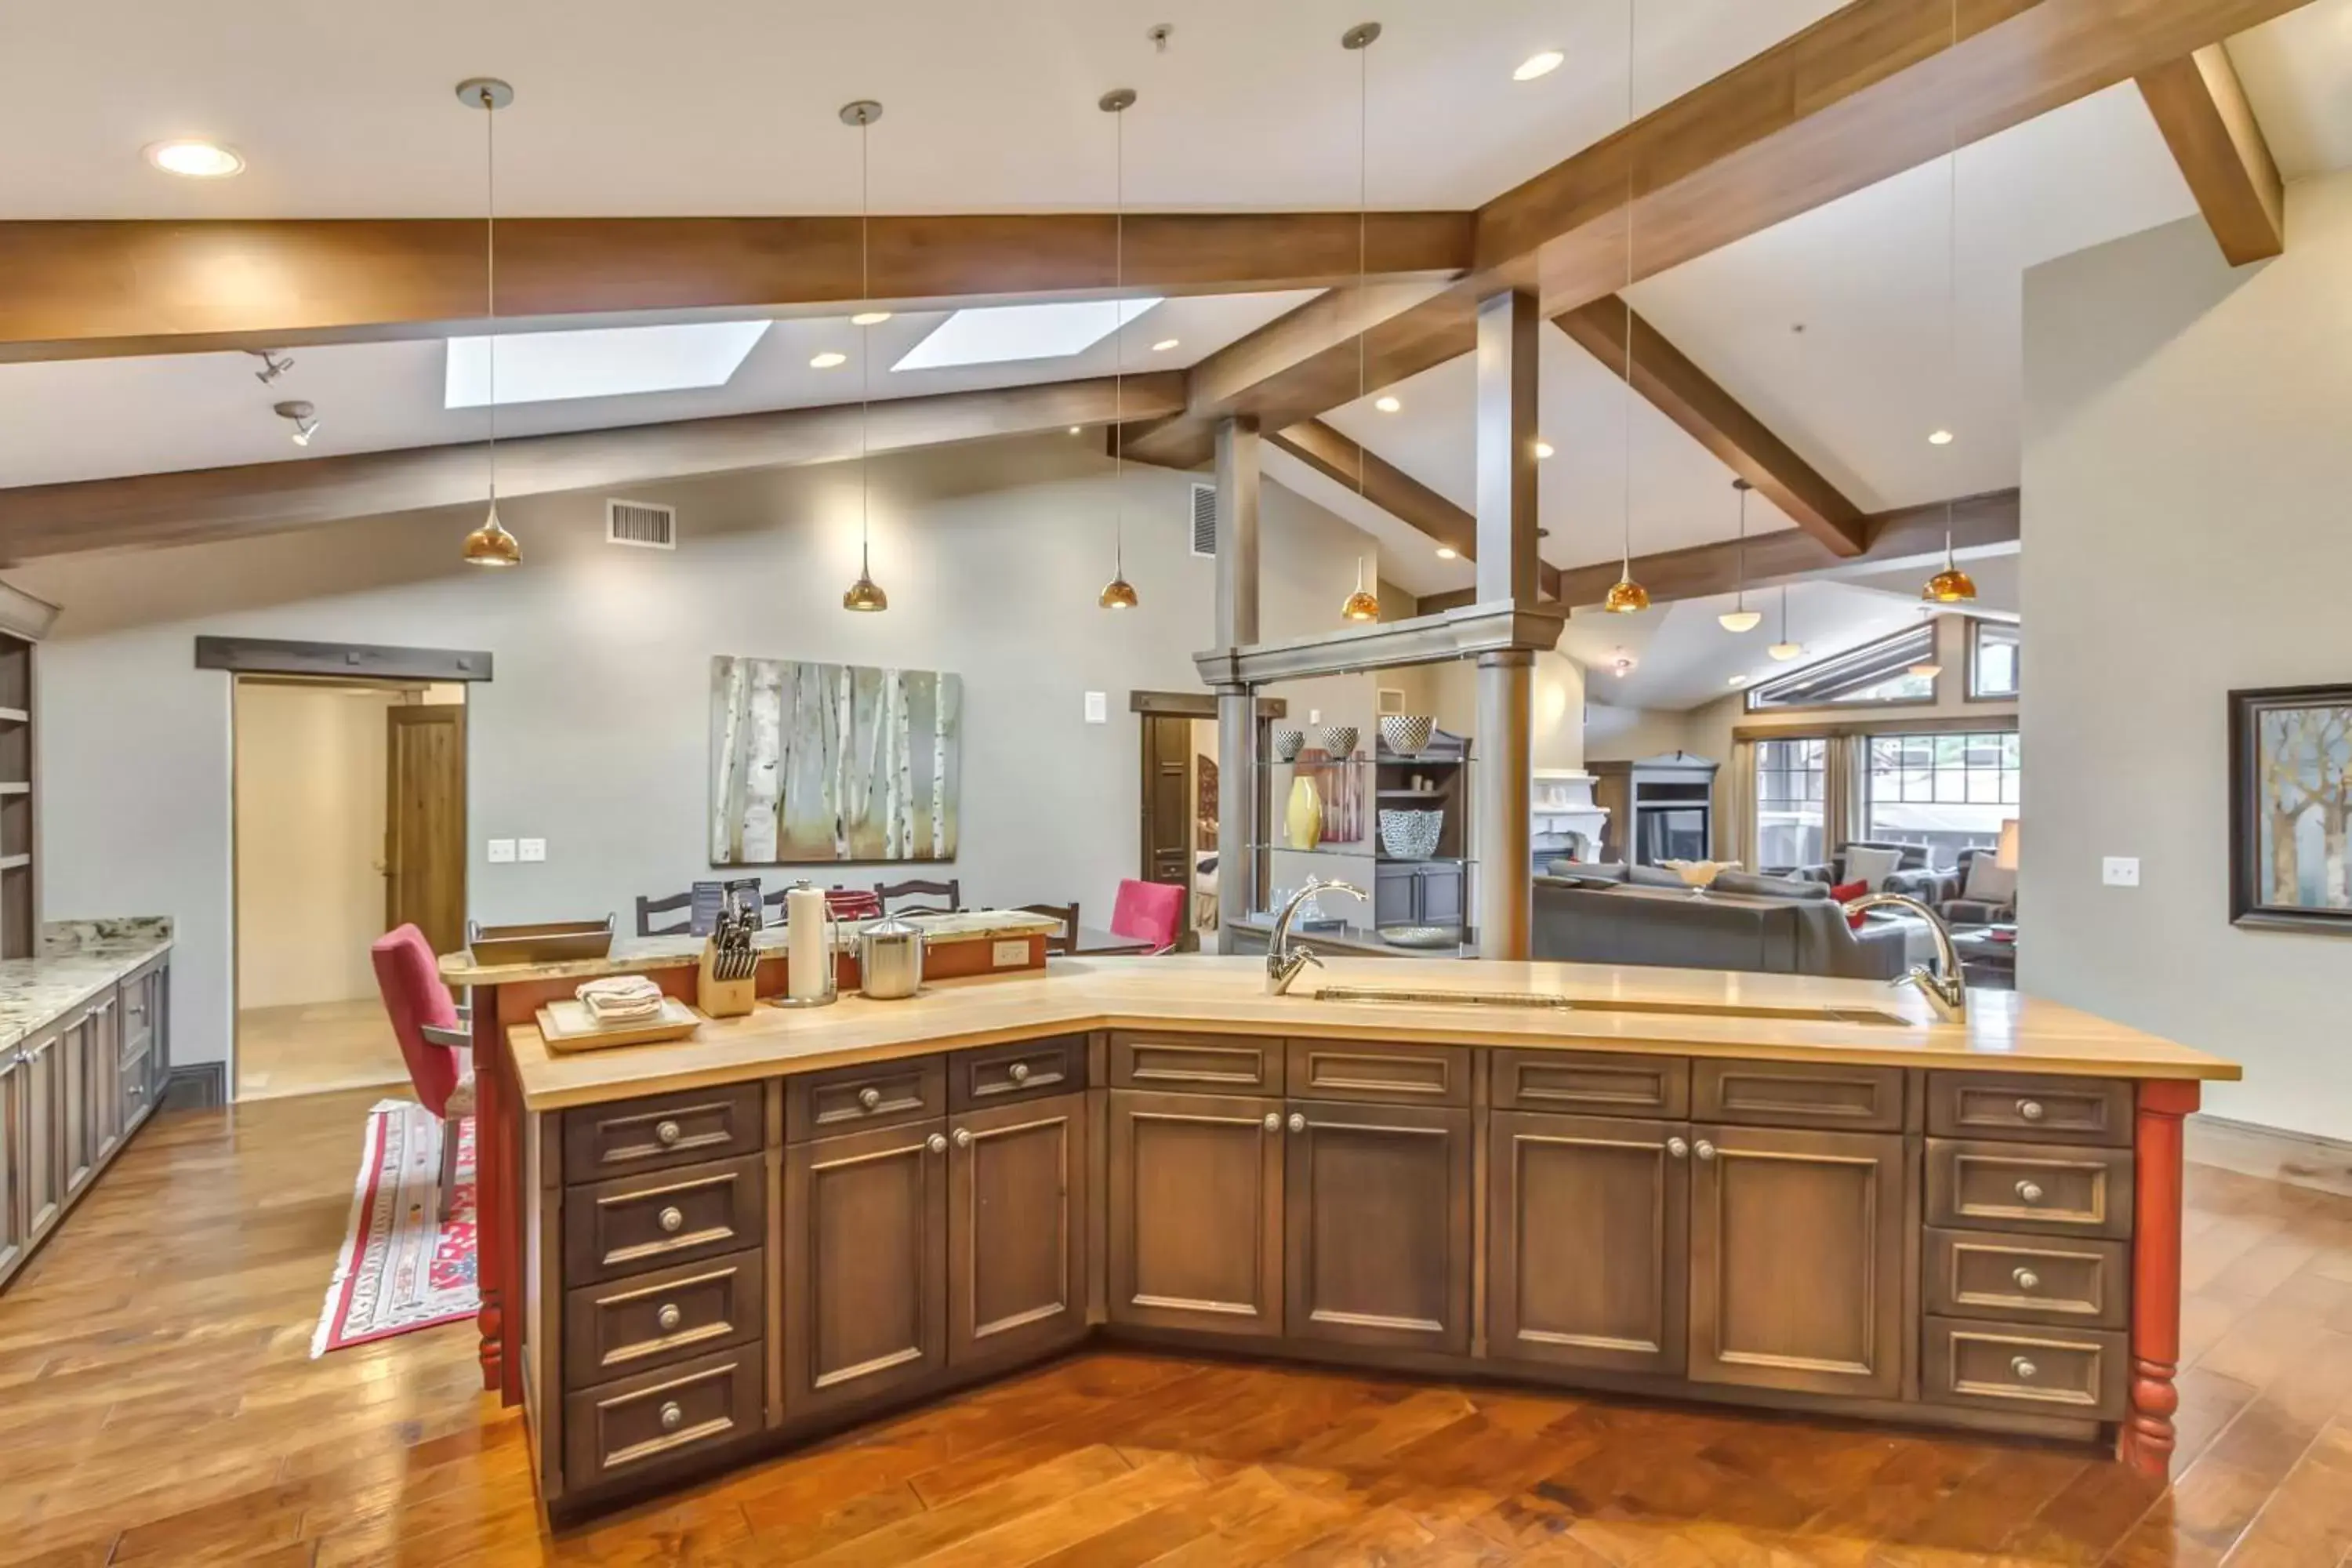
(1305, 814)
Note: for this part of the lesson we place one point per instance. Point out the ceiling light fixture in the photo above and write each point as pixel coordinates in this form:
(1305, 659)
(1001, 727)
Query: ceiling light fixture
(1739, 680)
(1118, 594)
(1163, 345)
(1627, 596)
(1785, 650)
(1951, 585)
(865, 595)
(1739, 619)
(1542, 63)
(1940, 438)
(194, 160)
(869, 317)
(1361, 605)
(1543, 450)
(273, 364)
(1622, 664)
(827, 359)
(305, 419)
(1388, 404)
(1448, 552)
(1926, 669)
(490, 544)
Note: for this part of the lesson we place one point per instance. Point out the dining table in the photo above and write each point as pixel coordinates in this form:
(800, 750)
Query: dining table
(1094, 942)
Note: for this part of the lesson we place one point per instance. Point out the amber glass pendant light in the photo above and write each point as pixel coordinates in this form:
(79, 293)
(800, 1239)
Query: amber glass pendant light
(1362, 605)
(1625, 596)
(1118, 594)
(865, 595)
(1951, 585)
(490, 544)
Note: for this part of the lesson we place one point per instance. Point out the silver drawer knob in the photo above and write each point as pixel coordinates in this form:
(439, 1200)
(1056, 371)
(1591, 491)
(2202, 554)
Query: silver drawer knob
(870, 1097)
(2027, 1279)
(2030, 1109)
(672, 1416)
(1273, 1121)
(2029, 1191)
(1678, 1147)
(1704, 1150)
(1297, 1122)
(2024, 1368)
(1020, 1073)
(666, 1134)
(673, 1219)
(963, 1137)
(937, 1143)
(670, 1316)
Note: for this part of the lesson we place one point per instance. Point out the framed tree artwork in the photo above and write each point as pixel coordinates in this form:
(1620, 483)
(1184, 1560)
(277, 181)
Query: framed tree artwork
(2290, 808)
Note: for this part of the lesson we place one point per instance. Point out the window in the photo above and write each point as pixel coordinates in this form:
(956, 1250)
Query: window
(1992, 660)
(1791, 780)
(1877, 672)
(1949, 793)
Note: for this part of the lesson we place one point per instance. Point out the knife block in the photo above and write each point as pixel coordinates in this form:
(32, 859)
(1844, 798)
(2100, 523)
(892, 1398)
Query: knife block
(723, 998)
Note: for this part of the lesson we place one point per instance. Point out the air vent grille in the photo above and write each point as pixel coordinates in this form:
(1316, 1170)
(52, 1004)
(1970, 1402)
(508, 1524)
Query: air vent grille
(1204, 519)
(645, 524)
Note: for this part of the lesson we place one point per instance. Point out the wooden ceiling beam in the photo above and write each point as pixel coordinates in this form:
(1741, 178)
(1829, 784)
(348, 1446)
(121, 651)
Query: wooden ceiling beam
(197, 505)
(86, 289)
(2201, 108)
(1686, 394)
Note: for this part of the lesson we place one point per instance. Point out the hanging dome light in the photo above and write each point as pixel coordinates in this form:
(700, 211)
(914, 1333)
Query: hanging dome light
(490, 544)
(1951, 585)
(1627, 596)
(1784, 651)
(1739, 619)
(1361, 605)
(1118, 594)
(865, 595)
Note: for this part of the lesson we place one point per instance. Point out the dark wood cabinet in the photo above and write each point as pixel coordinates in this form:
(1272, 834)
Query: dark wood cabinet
(1588, 1250)
(1017, 1228)
(1417, 892)
(865, 1266)
(1195, 1209)
(1376, 1206)
(1798, 1259)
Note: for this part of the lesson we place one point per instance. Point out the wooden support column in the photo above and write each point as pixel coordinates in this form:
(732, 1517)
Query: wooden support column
(2146, 1439)
(1502, 773)
(1507, 366)
(1237, 513)
(1502, 776)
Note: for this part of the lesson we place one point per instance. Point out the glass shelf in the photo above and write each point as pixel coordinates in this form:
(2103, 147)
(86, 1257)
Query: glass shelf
(1362, 851)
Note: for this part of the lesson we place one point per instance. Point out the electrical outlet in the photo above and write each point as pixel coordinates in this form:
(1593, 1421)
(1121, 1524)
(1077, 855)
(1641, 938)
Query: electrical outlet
(2120, 871)
(532, 849)
(1097, 708)
(501, 851)
(1010, 954)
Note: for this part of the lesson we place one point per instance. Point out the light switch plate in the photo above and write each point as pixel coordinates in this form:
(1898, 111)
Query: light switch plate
(501, 851)
(2120, 871)
(1315, 715)
(531, 848)
(1097, 708)
(1009, 953)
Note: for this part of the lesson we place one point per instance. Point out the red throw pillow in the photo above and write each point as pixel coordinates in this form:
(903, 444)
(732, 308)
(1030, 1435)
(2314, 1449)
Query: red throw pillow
(1845, 890)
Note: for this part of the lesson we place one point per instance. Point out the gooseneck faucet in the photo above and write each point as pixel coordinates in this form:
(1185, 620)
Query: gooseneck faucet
(1282, 961)
(1943, 985)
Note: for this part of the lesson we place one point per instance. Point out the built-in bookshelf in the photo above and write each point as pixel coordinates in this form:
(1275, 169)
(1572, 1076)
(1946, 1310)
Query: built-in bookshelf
(19, 932)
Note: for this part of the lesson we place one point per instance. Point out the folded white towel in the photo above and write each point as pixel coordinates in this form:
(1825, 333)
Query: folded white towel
(621, 998)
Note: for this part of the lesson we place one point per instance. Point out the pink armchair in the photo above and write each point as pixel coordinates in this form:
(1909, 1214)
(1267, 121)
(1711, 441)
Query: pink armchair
(432, 1033)
(1148, 911)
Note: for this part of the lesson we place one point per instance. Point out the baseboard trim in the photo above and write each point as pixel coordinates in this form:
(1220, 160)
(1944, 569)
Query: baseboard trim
(2298, 1158)
(195, 1086)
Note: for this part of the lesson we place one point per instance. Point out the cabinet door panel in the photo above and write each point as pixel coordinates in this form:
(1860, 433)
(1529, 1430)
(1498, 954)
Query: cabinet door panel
(1196, 1197)
(1376, 1207)
(1588, 1241)
(43, 1160)
(1797, 1259)
(1441, 895)
(1016, 1228)
(14, 1234)
(78, 1118)
(865, 1266)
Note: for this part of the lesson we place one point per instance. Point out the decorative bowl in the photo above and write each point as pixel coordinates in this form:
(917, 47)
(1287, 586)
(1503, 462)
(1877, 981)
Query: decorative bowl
(1411, 834)
(1699, 875)
(1287, 741)
(1340, 739)
(1422, 936)
(1406, 733)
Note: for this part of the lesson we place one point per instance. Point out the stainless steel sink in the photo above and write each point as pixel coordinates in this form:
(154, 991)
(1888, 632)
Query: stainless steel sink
(1406, 996)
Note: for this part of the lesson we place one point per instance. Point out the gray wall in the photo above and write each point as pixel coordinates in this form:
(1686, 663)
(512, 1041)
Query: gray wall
(2187, 470)
(593, 734)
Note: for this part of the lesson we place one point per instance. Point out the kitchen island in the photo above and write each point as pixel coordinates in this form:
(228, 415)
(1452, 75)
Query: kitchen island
(1778, 1191)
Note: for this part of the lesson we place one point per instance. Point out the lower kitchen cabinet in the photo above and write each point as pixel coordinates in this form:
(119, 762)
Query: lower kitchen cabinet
(1376, 1204)
(1017, 1229)
(82, 1082)
(16, 1156)
(864, 1267)
(1195, 1212)
(1798, 1259)
(1588, 1251)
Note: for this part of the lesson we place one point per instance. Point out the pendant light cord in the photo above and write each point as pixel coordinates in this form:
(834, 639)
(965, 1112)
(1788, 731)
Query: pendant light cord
(1363, 253)
(1625, 566)
(865, 356)
(1740, 598)
(1951, 276)
(490, 269)
(1119, 351)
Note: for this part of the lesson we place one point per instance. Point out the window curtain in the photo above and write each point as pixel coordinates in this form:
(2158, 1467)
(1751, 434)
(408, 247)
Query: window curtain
(1736, 805)
(1845, 792)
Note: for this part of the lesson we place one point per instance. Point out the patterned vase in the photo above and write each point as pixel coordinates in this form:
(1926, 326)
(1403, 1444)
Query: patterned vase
(1305, 814)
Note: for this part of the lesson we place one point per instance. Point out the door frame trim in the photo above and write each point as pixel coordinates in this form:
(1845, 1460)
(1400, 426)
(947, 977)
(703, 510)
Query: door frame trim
(349, 660)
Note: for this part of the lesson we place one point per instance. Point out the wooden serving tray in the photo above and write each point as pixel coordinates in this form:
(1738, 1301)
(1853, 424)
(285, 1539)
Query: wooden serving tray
(567, 1025)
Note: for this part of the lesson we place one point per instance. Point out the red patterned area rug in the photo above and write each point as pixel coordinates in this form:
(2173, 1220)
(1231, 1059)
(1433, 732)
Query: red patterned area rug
(402, 1267)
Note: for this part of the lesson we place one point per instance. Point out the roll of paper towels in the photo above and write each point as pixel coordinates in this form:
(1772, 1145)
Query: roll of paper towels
(808, 943)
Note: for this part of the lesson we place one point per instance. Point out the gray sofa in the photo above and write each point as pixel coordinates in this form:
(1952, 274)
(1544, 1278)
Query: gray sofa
(1640, 914)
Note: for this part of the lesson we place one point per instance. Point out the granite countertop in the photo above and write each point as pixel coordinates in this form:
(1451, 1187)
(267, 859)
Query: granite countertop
(78, 960)
(634, 954)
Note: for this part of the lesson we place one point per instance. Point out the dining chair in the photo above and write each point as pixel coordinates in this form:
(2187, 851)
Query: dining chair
(649, 908)
(950, 889)
(1067, 939)
(843, 903)
(1148, 911)
(431, 1030)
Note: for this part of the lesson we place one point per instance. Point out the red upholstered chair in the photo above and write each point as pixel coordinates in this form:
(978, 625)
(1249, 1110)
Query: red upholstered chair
(1148, 911)
(431, 1031)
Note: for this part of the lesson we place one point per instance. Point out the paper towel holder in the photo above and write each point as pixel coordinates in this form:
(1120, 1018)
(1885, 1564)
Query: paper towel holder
(832, 991)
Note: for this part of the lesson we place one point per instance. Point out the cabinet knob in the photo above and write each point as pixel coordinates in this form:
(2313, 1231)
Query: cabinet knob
(1704, 1150)
(2027, 1279)
(963, 1137)
(1020, 1073)
(1273, 1121)
(672, 1416)
(2030, 1109)
(937, 1143)
(670, 1316)
(673, 1219)
(870, 1097)
(2029, 1191)
(666, 1134)
(2024, 1368)
(1678, 1147)
(1297, 1122)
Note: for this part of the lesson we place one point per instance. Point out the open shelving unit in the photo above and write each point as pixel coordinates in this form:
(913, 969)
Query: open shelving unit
(19, 935)
(1434, 891)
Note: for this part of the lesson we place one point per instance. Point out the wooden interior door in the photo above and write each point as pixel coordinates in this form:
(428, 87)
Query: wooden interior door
(424, 822)
(1016, 1229)
(1167, 799)
(1377, 1204)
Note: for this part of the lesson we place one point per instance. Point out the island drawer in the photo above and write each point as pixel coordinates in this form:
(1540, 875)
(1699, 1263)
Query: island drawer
(633, 1224)
(1025, 1070)
(2064, 1371)
(1798, 1094)
(2032, 1109)
(2042, 1187)
(628, 1427)
(647, 1321)
(1388, 1071)
(1205, 1064)
(1591, 1083)
(874, 1094)
(654, 1134)
(2075, 1280)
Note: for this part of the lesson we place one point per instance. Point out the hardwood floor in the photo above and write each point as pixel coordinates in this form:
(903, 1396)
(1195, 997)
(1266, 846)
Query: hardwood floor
(315, 1048)
(157, 1405)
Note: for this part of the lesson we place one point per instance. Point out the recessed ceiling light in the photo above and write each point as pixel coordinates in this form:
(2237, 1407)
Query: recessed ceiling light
(1535, 65)
(1543, 450)
(1387, 404)
(195, 159)
(1448, 552)
(1163, 345)
(869, 317)
(598, 362)
(1075, 429)
(991, 334)
(1739, 680)
(827, 359)
(1939, 438)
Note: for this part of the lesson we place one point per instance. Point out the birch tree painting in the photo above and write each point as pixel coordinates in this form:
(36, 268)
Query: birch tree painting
(832, 761)
(2304, 772)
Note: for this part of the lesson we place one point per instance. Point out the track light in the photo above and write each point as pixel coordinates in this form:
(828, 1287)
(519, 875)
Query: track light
(273, 365)
(305, 419)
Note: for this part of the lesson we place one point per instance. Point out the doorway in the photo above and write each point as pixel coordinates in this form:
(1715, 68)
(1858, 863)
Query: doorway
(349, 819)
(1179, 808)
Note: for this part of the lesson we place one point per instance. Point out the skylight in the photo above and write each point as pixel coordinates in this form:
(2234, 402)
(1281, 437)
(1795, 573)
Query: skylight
(605, 362)
(990, 334)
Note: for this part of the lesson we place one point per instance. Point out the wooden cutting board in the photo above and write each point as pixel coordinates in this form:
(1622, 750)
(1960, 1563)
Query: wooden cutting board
(567, 1025)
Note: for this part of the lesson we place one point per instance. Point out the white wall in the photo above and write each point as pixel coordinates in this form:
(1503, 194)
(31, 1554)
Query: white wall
(2187, 466)
(592, 734)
